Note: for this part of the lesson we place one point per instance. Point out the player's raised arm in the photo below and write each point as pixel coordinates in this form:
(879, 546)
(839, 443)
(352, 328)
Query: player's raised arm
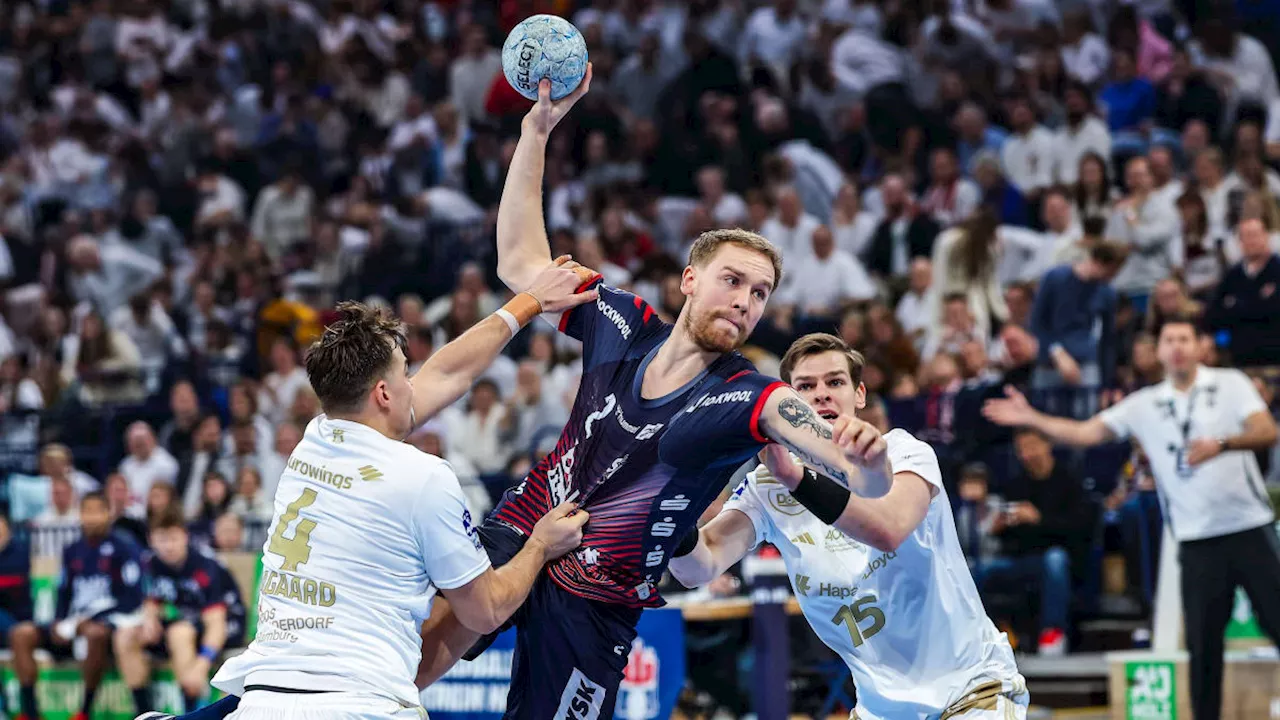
(447, 374)
(523, 249)
(851, 452)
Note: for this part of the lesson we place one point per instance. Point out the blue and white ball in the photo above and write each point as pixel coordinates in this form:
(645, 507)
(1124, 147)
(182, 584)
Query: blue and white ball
(544, 46)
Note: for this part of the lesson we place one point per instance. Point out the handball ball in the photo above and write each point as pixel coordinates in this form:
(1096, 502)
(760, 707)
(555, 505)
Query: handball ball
(544, 46)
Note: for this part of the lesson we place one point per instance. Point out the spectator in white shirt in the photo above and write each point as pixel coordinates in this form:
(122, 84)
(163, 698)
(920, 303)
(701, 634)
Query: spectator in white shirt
(286, 379)
(861, 60)
(17, 390)
(1028, 155)
(251, 502)
(790, 228)
(1207, 257)
(221, 200)
(951, 198)
(1236, 60)
(56, 462)
(472, 73)
(59, 525)
(1209, 169)
(146, 464)
(852, 226)
(1164, 175)
(821, 281)
(142, 40)
(417, 127)
(107, 275)
(479, 432)
(956, 329)
(282, 215)
(1083, 133)
(727, 209)
(915, 309)
(1150, 228)
(1084, 53)
(774, 37)
(151, 329)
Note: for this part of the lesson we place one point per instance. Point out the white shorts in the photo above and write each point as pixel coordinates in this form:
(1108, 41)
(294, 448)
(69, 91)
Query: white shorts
(262, 705)
(995, 700)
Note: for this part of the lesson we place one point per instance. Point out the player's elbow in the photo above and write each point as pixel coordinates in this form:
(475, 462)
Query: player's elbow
(482, 620)
(887, 539)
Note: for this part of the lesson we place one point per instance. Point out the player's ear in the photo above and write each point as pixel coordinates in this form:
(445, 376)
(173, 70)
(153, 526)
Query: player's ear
(861, 395)
(686, 279)
(382, 394)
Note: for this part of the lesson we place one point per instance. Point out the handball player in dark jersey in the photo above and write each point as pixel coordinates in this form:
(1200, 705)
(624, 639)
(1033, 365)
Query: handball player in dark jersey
(665, 414)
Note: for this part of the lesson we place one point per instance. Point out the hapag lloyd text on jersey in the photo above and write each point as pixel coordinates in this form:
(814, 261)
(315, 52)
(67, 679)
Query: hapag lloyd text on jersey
(733, 396)
(614, 317)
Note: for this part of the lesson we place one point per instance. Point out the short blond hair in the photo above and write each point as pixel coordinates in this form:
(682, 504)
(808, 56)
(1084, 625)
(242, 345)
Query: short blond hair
(709, 242)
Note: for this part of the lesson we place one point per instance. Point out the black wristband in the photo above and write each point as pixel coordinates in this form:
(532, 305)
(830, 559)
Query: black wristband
(822, 496)
(687, 543)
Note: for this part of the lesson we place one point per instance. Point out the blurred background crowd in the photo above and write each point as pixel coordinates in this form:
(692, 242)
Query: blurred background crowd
(973, 192)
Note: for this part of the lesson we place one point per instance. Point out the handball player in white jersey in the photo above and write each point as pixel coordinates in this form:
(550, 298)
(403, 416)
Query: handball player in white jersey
(882, 581)
(368, 529)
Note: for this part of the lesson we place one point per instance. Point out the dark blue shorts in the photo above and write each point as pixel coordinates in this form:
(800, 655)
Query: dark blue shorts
(570, 651)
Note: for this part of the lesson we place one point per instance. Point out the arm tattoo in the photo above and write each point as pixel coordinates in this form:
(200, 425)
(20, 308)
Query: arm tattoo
(817, 463)
(795, 411)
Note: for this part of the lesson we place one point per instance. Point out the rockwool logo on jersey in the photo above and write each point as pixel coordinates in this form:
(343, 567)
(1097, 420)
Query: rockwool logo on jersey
(581, 699)
(614, 317)
(709, 400)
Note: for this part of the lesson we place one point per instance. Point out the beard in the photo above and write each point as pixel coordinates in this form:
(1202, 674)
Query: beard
(706, 335)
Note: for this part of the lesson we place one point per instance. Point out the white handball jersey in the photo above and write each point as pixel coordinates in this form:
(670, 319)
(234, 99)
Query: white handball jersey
(1217, 497)
(365, 531)
(909, 624)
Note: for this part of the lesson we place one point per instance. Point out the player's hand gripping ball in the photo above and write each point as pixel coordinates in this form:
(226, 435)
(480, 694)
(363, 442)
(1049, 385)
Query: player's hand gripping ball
(544, 46)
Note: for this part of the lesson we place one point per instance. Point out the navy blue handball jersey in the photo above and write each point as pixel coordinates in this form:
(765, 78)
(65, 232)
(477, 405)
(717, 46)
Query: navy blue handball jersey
(645, 469)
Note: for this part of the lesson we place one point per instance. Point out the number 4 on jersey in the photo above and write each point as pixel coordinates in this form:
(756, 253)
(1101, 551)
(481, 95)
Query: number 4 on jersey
(297, 549)
(853, 614)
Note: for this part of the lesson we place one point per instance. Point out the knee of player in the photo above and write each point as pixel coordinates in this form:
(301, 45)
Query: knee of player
(193, 684)
(96, 632)
(181, 632)
(24, 634)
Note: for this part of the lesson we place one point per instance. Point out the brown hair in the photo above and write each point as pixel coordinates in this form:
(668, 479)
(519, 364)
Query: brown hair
(1109, 253)
(816, 344)
(709, 242)
(354, 351)
(169, 518)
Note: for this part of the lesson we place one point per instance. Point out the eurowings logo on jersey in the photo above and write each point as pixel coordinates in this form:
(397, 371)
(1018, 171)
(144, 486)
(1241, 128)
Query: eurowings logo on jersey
(732, 396)
(638, 695)
(615, 317)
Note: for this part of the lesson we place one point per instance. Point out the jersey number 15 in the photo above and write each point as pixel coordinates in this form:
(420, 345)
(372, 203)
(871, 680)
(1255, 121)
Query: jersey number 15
(854, 614)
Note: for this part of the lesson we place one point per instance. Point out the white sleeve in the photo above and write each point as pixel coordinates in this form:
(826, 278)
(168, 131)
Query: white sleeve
(1273, 123)
(746, 500)
(1242, 394)
(1119, 417)
(446, 535)
(909, 454)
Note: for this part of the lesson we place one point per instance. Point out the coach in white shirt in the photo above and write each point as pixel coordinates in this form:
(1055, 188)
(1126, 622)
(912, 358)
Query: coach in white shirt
(1200, 428)
(1028, 155)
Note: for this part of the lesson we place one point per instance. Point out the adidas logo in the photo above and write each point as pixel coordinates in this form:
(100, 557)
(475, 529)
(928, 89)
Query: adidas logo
(369, 473)
(805, 538)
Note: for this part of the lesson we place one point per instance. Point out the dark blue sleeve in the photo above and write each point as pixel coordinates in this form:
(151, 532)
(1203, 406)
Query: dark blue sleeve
(64, 585)
(127, 580)
(1107, 350)
(609, 326)
(1041, 312)
(722, 426)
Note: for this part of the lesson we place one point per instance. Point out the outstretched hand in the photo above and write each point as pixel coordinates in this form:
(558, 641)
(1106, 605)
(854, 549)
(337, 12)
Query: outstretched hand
(1013, 409)
(547, 113)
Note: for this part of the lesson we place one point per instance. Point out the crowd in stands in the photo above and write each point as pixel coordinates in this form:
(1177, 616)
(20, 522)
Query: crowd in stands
(974, 193)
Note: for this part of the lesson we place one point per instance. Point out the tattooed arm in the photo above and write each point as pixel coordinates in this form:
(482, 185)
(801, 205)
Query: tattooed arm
(851, 453)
